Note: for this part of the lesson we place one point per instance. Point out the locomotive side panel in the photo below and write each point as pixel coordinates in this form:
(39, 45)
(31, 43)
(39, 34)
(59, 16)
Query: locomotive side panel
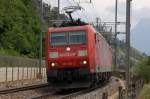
(91, 50)
(103, 55)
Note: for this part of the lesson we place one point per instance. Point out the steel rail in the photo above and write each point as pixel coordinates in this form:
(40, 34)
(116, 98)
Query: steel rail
(42, 96)
(24, 88)
(74, 94)
(45, 96)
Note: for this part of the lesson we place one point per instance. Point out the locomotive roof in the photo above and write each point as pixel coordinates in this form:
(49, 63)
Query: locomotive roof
(72, 28)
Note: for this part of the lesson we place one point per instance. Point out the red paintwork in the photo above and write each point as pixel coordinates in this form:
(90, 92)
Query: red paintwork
(99, 53)
(103, 52)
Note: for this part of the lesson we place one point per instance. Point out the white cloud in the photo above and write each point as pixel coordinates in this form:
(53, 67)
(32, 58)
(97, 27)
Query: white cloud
(139, 14)
(139, 4)
(105, 9)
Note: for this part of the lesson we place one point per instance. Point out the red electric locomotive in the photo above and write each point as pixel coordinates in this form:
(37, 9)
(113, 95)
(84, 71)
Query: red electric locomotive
(77, 56)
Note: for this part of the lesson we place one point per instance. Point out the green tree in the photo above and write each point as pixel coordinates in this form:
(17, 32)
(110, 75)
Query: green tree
(19, 26)
(143, 69)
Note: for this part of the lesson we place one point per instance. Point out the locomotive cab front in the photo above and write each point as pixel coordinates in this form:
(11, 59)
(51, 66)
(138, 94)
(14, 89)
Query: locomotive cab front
(67, 56)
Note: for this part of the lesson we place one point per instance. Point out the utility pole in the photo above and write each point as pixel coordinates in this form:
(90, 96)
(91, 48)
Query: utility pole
(115, 53)
(97, 22)
(41, 34)
(128, 26)
(58, 10)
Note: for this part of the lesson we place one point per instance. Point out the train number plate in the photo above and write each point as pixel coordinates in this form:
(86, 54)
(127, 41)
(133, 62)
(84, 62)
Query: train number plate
(67, 54)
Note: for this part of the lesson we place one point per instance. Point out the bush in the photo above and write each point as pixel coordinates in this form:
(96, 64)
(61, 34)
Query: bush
(8, 52)
(145, 93)
(143, 69)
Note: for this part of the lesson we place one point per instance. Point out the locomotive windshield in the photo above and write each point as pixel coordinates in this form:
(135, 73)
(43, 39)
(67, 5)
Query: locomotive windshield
(58, 39)
(68, 38)
(77, 37)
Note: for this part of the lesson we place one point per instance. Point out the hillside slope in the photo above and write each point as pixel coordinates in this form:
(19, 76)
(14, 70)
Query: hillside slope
(139, 36)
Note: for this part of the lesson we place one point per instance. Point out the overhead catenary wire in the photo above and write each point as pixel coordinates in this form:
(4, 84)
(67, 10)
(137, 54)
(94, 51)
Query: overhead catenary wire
(83, 12)
(91, 9)
(72, 3)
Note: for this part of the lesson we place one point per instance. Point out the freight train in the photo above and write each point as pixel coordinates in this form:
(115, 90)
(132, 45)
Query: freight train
(77, 56)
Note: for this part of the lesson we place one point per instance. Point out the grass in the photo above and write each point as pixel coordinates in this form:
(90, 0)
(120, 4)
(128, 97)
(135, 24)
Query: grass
(145, 92)
(8, 52)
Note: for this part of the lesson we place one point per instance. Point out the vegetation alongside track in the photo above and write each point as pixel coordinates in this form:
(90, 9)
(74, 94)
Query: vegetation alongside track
(142, 71)
(19, 28)
(145, 93)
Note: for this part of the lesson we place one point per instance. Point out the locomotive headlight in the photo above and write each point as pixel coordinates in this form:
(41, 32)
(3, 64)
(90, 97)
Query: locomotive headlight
(53, 55)
(84, 62)
(82, 53)
(53, 64)
(68, 49)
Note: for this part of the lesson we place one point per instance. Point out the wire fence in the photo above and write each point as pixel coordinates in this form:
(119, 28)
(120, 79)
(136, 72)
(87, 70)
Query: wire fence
(19, 69)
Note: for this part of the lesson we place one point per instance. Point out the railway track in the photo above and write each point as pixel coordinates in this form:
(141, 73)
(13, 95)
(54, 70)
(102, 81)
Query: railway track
(88, 90)
(58, 95)
(71, 94)
(43, 91)
(25, 88)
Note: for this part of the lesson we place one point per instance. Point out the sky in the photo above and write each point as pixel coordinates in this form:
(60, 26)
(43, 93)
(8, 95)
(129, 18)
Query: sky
(105, 9)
